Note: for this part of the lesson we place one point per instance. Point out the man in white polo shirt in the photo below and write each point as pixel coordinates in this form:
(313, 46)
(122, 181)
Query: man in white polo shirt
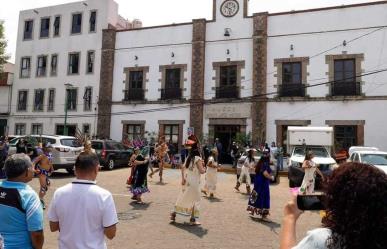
(82, 212)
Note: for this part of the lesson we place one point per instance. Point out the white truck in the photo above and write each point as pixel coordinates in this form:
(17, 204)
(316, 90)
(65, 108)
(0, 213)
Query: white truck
(303, 139)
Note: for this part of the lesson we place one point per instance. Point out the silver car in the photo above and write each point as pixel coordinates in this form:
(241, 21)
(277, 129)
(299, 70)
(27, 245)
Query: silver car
(65, 149)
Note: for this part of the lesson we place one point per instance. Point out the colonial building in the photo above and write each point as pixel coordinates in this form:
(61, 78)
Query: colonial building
(6, 82)
(58, 63)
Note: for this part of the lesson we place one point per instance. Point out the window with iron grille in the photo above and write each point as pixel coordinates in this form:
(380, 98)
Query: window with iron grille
(172, 78)
(72, 99)
(51, 100)
(345, 136)
(171, 133)
(90, 61)
(54, 64)
(39, 100)
(73, 63)
(42, 66)
(22, 100)
(36, 129)
(25, 67)
(345, 78)
(292, 80)
(87, 98)
(93, 21)
(45, 27)
(133, 131)
(57, 26)
(20, 129)
(228, 82)
(76, 25)
(28, 28)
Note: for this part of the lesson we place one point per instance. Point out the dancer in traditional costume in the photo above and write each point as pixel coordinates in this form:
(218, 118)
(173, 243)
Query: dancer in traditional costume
(161, 152)
(43, 168)
(310, 168)
(132, 165)
(245, 171)
(188, 201)
(139, 183)
(211, 174)
(259, 202)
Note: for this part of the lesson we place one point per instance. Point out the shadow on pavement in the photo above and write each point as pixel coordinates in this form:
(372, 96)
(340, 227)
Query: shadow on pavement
(195, 230)
(140, 206)
(269, 223)
(213, 199)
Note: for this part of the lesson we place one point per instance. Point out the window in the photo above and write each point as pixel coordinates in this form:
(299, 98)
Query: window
(292, 80)
(22, 100)
(133, 131)
(25, 67)
(54, 64)
(86, 129)
(73, 63)
(135, 91)
(44, 27)
(345, 136)
(39, 100)
(345, 78)
(76, 26)
(57, 26)
(37, 129)
(72, 99)
(51, 100)
(87, 98)
(228, 82)
(90, 61)
(172, 88)
(28, 28)
(93, 21)
(42, 65)
(20, 129)
(171, 133)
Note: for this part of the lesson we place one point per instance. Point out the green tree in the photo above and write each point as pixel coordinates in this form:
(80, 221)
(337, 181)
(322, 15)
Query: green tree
(3, 44)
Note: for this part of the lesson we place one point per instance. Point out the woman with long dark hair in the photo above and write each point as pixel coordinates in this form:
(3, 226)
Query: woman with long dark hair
(139, 183)
(187, 203)
(356, 212)
(310, 169)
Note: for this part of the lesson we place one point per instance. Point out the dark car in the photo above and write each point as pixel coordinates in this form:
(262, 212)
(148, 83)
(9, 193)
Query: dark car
(111, 153)
(296, 175)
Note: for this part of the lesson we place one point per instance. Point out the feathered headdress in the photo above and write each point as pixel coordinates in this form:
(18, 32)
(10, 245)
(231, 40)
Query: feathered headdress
(83, 139)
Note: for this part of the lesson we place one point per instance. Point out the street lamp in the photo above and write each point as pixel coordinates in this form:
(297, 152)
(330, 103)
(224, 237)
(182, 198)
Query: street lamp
(65, 131)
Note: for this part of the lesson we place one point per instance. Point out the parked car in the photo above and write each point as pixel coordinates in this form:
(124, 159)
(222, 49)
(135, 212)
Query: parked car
(373, 157)
(65, 149)
(322, 158)
(353, 149)
(111, 153)
(257, 156)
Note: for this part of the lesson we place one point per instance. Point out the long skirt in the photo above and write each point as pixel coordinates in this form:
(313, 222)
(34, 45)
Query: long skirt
(260, 197)
(139, 183)
(211, 180)
(187, 203)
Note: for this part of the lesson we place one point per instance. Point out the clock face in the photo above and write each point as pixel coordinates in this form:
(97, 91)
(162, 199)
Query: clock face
(229, 8)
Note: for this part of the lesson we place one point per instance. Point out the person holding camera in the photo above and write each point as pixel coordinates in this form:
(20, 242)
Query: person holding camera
(356, 212)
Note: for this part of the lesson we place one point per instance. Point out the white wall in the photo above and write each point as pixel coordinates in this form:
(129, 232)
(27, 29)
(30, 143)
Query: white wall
(5, 92)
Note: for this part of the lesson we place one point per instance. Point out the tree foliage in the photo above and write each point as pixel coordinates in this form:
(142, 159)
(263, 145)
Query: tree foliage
(3, 44)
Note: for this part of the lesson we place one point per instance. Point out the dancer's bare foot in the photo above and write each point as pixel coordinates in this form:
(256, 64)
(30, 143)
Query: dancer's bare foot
(172, 217)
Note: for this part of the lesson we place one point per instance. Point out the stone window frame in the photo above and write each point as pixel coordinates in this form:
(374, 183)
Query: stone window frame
(216, 67)
(32, 31)
(278, 64)
(145, 80)
(32, 128)
(181, 123)
(125, 123)
(29, 68)
(96, 21)
(53, 101)
(92, 61)
(359, 123)
(85, 109)
(183, 80)
(53, 26)
(49, 27)
(18, 100)
(54, 74)
(76, 98)
(46, 56)
(79, 63)
(34, 109)
(25, 128)
(71, 22)
(330, 61)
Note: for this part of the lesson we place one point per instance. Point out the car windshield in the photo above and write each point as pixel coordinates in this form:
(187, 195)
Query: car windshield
(70, 142)
(317, 151)
(13, 141)
(374, 159)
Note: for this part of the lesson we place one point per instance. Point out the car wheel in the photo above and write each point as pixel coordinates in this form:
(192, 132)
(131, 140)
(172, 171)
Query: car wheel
(110, 164)
(70, 171)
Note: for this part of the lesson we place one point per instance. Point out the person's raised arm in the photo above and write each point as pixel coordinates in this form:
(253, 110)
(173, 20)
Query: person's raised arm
(288, 234)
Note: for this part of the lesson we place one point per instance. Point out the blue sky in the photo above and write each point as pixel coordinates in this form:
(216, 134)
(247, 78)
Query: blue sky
(156, 12)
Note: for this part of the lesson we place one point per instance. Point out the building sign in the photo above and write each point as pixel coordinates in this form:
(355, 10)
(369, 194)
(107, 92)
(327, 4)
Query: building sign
(228, 111)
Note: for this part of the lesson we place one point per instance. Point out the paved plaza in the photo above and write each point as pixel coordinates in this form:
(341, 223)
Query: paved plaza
(225, 223)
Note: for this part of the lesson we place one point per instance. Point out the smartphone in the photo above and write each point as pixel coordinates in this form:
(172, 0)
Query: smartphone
(310, 202)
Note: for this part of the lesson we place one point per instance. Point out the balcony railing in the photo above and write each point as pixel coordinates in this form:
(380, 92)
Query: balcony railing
(291, 90)
(171, 93)
(346, 89)
(227, 92)
(134, 94)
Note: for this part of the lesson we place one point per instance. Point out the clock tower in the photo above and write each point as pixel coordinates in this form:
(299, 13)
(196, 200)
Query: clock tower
(229, 8)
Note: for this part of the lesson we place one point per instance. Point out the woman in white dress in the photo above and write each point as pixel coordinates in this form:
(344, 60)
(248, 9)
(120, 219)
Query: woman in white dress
(211, 174)
(310, 168)
(246, 169)
(188, 201)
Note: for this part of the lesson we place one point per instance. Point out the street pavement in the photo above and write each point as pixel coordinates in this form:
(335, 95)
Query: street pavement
(225, 222)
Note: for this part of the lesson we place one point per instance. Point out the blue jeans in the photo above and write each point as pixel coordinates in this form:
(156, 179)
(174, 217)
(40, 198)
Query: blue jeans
(280, 163)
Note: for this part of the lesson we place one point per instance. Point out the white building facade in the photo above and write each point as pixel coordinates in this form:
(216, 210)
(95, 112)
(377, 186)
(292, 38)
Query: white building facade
(6, 83)
(58, 62)
(250, 77)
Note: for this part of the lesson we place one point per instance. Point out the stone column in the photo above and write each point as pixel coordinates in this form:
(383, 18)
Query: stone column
(197, 75)
(259, 104)
(106, 82)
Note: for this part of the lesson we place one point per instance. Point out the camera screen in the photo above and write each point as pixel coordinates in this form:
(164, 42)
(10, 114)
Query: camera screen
(310, 202)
